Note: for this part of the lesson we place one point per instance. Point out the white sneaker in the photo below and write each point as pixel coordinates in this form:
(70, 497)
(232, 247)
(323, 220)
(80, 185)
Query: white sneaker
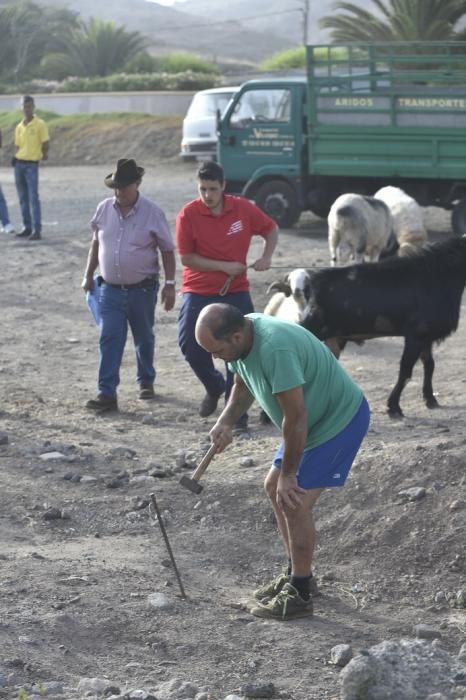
(9, 228)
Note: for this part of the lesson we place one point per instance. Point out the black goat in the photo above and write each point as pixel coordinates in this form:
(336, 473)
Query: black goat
(418, 298)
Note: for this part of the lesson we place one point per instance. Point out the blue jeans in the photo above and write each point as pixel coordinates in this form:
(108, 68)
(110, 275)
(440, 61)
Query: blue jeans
(27, 187)
(118, 308)
(201, 361)
(4, 217)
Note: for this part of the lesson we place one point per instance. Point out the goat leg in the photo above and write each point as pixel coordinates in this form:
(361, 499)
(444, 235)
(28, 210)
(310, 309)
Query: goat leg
(427, 389)
(411, 352)
(336, 345)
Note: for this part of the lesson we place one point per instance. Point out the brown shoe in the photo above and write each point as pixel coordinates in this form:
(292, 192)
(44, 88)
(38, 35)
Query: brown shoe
(103, 403)
(146, 391)
(208, 405)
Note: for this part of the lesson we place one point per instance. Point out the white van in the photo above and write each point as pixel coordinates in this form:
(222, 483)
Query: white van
(199, 141)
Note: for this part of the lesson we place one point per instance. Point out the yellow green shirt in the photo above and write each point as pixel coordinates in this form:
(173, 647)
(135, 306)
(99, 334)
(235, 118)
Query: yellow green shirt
(29, 139)
(284, 356)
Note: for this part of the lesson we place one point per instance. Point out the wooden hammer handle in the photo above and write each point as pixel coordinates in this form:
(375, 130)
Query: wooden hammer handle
(204, 463)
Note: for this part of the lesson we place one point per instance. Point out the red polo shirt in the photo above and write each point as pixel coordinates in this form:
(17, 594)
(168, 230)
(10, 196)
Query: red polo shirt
(223, 237)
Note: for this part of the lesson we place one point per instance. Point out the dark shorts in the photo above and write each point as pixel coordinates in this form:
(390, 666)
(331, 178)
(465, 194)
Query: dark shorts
(329, 464)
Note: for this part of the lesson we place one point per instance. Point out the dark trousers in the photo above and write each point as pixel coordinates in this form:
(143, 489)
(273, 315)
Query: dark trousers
(199, 360)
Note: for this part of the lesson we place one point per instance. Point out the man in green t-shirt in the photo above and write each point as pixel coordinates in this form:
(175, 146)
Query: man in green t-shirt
(323, 417)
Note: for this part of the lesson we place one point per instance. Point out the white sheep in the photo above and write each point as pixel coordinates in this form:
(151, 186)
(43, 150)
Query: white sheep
(359, 227)
(289, 303)
(408, 220)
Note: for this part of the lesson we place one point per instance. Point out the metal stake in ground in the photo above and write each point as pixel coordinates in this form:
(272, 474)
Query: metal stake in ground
(165, 537)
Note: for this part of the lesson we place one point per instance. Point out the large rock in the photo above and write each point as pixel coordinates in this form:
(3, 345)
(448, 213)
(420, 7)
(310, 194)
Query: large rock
(94, 686)
(403, 669)
(175, 689)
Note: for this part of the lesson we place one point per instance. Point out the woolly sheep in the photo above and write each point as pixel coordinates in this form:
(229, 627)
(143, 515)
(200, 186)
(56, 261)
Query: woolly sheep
(408, 220)
(359, 227)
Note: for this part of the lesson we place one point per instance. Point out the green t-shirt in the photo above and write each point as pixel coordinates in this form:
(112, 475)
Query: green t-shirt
(286, 355)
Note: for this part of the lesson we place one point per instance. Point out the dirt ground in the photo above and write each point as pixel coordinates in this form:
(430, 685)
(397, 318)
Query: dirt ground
(73, 590)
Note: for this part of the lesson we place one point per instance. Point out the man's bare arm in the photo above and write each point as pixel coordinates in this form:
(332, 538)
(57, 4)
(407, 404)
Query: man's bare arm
(294, 430)
(91, 266)
(265, 261)
(202, 264)
(239, 402)
(168, 295)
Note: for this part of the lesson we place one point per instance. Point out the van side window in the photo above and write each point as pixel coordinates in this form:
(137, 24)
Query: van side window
(260, 106)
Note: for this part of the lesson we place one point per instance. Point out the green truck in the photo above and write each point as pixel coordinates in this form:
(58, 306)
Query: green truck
(366, 115)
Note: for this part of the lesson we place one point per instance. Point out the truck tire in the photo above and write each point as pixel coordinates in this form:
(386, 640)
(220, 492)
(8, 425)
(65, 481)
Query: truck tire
(458, 218)
(278, 200)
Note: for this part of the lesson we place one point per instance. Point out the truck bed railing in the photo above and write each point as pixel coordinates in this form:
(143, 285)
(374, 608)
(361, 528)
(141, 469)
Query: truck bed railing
(392, 84)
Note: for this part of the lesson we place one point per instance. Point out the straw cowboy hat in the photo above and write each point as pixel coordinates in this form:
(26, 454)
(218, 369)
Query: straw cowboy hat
(125, 174)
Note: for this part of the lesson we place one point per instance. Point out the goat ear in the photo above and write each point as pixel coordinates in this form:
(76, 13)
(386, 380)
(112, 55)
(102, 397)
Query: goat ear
(280, 286)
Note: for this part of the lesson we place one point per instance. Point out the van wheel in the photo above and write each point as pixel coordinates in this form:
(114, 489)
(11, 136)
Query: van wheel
(458, 218)
(278, 200)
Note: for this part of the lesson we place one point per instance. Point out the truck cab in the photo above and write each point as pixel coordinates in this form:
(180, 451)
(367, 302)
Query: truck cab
(262, 144)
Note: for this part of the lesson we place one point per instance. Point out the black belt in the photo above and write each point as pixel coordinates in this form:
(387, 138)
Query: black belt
(20, 160)
(148, 283)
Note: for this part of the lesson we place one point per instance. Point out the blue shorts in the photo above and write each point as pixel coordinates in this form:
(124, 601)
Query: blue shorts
(329, 464)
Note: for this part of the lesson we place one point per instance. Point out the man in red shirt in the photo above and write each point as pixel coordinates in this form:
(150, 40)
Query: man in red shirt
(213, 235)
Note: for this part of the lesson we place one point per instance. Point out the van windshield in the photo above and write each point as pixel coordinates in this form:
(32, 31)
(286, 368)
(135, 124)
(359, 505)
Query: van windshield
(206, 105)
(261, 105)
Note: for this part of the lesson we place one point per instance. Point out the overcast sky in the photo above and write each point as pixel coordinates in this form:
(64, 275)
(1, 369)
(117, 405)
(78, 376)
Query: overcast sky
(163, 2)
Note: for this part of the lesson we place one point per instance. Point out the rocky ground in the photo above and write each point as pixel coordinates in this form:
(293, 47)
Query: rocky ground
(87, 589)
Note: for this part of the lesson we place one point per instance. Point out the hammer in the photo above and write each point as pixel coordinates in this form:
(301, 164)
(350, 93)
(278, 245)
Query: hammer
(192, 482)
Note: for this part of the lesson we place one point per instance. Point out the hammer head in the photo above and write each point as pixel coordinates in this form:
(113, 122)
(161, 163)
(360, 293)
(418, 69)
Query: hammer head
(191, 484)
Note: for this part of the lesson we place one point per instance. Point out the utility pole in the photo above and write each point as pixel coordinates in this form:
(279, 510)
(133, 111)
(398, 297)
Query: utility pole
(305, 17)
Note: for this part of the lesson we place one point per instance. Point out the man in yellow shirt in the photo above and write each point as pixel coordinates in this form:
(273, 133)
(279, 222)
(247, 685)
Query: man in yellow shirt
(32, 146)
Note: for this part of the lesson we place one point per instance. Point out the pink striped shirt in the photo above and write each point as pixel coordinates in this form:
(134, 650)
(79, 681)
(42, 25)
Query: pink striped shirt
(128, 246)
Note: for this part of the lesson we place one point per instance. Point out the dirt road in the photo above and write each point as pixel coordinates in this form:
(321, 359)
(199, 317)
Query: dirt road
(74, 590)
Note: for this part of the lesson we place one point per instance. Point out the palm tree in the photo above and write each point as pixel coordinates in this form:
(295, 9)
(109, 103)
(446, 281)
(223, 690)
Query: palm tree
(101, 48)
(23, 41)
(396, 20)
(28, 32)
(6, 45)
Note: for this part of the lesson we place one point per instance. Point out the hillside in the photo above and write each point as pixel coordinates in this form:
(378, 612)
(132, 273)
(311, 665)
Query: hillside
(280, 17)
(172, 29)
(95, 138)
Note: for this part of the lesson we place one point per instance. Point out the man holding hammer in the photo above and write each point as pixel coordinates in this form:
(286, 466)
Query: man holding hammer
(323, 417)
(213, 235)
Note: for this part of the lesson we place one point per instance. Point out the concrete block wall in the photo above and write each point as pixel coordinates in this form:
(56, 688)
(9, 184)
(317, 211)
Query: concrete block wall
(160, 103)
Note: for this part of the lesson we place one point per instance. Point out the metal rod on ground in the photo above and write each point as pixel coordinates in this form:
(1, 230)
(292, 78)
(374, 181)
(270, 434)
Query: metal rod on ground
(165, 537)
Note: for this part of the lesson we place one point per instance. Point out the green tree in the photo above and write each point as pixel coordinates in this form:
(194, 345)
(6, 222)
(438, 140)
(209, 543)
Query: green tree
(396, 20)
(179, 61)
(28, 32)
(20, 28)
(142, 62)
(101, 48)
(285, 60)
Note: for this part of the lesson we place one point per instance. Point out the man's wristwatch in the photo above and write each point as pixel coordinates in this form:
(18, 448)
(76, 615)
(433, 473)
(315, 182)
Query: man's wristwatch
(170, 282)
